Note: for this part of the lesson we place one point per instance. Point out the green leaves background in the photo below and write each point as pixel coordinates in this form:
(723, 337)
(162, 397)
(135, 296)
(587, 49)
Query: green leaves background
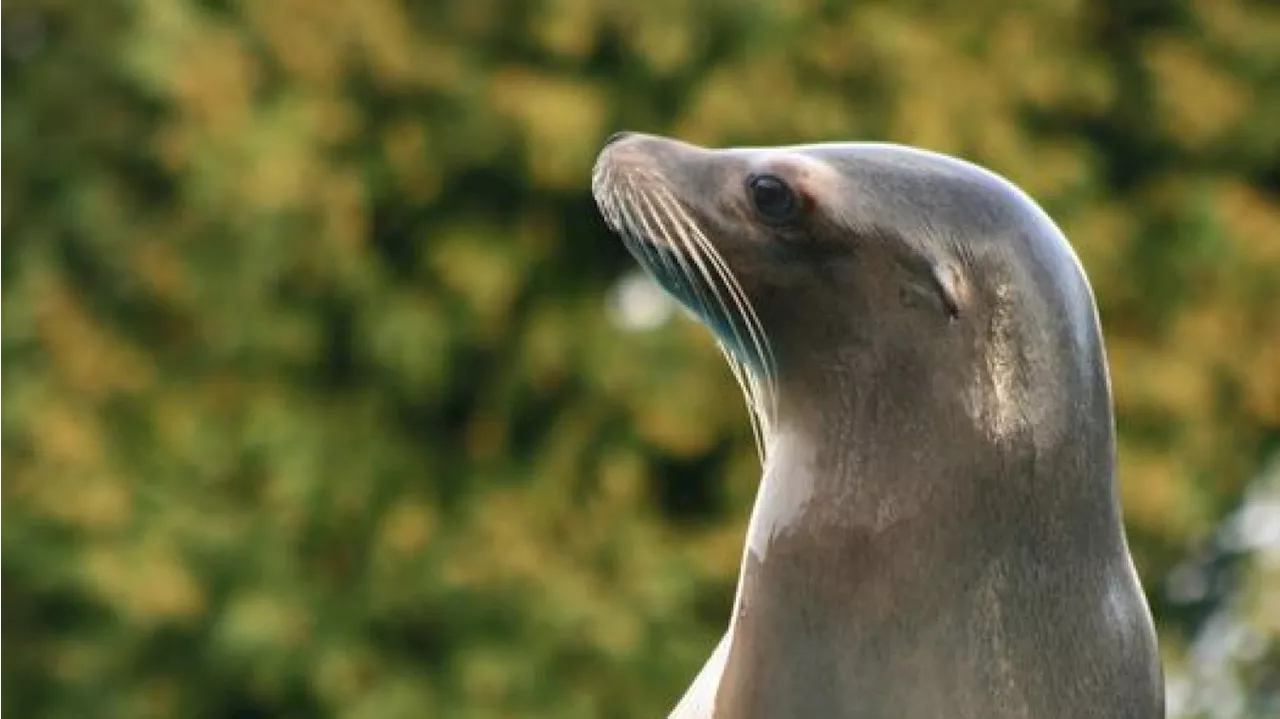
(314, 402)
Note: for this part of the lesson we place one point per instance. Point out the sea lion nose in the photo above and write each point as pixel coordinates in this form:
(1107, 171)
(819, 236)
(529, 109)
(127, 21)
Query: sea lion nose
(618, 136)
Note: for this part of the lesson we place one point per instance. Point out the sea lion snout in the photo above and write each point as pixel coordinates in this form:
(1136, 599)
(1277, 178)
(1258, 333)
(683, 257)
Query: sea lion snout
(617, 136)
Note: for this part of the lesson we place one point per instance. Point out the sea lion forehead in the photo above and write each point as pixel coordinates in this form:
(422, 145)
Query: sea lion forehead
(944, 190)
(807, 173)
(891, 157)
(793, 162)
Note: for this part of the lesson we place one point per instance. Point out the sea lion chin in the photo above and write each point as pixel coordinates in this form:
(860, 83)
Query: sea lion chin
(937, 532)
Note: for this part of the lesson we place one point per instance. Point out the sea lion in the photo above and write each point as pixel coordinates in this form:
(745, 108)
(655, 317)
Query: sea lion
(937, 532)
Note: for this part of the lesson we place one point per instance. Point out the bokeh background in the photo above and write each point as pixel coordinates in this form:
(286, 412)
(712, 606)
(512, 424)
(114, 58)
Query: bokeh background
(327, 394)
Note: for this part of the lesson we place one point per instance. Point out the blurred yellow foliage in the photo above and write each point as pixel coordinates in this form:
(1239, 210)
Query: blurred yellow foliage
(316, 405)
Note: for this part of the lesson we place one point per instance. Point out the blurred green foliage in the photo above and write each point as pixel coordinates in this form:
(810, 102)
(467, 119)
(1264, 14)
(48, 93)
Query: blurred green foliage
(314, 404)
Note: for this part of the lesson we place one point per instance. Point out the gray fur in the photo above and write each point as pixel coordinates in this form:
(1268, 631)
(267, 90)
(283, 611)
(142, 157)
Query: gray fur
(938, 532)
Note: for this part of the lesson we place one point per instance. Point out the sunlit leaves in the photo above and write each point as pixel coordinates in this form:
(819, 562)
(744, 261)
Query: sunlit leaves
(316, 404)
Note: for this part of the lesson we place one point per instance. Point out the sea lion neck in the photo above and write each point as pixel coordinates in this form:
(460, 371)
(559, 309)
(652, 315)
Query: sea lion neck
(952, 440)
(849, 460)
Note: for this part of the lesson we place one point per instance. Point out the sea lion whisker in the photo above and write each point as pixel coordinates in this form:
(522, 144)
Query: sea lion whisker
(760, 339)
(679, 251)
(633, 233)
(625, 194)
(755, 391)
(683, 251)
(746, 379)
(644, 208)
(763, 348)
(677, 236)
(740, 373)
(602, 187)
(763, 345)
(742, 376)
(636, 198)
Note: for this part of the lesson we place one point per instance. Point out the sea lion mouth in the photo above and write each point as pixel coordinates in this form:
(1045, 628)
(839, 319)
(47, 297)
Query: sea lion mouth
(664, 237)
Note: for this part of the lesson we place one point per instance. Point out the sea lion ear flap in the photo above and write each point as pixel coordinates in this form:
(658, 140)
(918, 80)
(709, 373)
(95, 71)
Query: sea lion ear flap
(952, 288)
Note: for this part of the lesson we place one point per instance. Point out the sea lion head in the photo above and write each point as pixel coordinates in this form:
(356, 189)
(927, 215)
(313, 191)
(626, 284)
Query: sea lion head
(856, 269)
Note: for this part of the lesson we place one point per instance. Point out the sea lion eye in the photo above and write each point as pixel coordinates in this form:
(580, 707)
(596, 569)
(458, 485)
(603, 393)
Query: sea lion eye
(774, 199)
